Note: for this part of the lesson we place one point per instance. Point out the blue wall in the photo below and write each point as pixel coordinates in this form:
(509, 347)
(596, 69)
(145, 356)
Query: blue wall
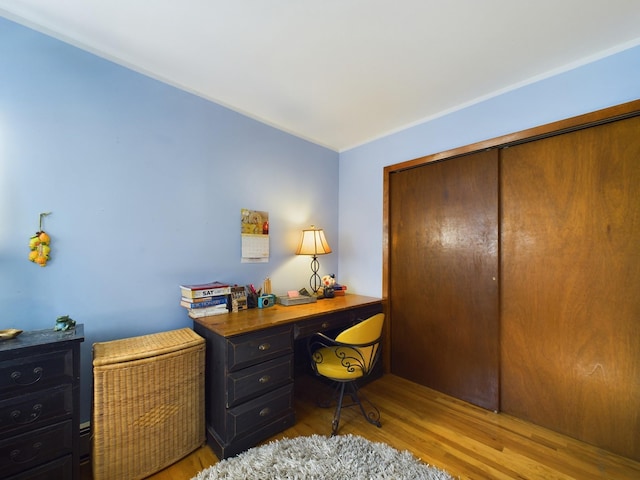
(145, 184)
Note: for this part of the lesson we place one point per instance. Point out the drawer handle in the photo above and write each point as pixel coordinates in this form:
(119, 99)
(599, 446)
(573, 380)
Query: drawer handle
(325, 324)
(15, 376)
(265, 411)
(264, 379)
(15, 454)
(264, 347)
(36, 410)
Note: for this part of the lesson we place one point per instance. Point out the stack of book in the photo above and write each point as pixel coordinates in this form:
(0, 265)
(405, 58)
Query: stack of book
(339, 290)
(205, 299)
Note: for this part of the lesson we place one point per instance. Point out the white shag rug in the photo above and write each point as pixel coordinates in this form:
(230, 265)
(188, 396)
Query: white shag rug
(318, 457)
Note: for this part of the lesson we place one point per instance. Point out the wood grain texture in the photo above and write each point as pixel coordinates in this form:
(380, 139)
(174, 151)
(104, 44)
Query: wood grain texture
(443, 281)
(245, 321)
(571, 273)
(467, 441)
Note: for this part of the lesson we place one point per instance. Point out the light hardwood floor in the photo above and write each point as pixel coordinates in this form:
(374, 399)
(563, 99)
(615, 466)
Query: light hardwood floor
(467, 441)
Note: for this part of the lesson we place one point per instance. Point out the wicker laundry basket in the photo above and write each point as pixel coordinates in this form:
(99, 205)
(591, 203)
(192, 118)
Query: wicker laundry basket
(148, 403)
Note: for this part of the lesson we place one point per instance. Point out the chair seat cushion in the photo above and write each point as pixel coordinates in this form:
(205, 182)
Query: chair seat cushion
(334, 363)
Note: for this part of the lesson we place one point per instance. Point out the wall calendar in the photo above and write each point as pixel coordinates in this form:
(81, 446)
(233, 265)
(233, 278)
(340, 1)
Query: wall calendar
(255, 236)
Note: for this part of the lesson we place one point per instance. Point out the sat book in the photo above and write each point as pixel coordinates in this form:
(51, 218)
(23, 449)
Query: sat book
(211, 289)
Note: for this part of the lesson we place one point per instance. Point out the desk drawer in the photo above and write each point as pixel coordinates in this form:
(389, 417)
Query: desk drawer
(250, 382)
(34, 370)
(35, 448)
(33, 409)
(252, 348)
(258, 412)
(335, 321)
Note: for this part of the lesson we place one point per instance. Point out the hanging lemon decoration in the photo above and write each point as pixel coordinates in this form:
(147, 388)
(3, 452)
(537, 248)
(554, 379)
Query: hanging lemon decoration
(40, 245)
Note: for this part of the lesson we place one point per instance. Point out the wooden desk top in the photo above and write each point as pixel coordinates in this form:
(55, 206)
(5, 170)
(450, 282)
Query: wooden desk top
(230, 324)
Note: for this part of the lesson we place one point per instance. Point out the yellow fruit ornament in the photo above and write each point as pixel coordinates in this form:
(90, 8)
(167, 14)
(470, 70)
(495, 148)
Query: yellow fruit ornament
(40, 245)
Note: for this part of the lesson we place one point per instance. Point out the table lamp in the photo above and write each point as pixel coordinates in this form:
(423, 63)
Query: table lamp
(313, 242)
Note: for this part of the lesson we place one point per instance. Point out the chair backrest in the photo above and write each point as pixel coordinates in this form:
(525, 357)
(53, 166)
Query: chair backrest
(365, 332)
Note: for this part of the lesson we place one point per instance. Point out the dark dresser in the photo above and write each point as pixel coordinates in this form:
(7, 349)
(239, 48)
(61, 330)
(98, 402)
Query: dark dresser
(39, 405)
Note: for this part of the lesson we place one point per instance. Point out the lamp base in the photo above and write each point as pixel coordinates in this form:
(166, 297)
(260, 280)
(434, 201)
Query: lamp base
(315, 281)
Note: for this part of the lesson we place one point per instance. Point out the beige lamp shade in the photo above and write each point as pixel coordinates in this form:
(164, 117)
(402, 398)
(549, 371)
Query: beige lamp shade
(313, 242)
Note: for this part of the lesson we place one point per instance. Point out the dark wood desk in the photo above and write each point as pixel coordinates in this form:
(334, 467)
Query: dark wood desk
(250, 365)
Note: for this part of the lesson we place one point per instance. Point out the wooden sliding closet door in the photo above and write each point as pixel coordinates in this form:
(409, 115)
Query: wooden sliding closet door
(570, 248)
(443, 269)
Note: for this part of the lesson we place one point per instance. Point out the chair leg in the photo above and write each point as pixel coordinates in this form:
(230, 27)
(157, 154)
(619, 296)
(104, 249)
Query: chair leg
(330, 400)
(336, 415)
(373, 415)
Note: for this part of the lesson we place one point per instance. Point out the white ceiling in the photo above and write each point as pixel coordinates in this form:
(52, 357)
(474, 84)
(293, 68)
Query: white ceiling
(340, 72)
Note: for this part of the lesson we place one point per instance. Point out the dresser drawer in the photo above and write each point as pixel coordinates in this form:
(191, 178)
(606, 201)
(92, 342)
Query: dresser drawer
(35, 448)
(34, 370)
(335, 321)
(60, 469)
(35, 408)
(260, 411)
(251, 382)
(252, 348)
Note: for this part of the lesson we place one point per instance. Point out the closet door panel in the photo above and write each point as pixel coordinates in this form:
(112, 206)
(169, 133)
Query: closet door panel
(570, 246)
(443, 276)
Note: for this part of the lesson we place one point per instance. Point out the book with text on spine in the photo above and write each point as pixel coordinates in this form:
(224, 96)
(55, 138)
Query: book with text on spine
(210, 302)
(211, 289)
(196, 300)
(208, 311)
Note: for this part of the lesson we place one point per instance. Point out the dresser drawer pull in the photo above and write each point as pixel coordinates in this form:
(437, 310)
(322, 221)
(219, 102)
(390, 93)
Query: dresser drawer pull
(264, 347)
(264, 379)
(265, 411)
(36, 410)
(15, 376)
(15, 454)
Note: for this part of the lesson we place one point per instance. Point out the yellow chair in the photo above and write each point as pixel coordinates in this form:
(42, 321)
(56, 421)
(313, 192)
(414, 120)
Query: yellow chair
(346, 359)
